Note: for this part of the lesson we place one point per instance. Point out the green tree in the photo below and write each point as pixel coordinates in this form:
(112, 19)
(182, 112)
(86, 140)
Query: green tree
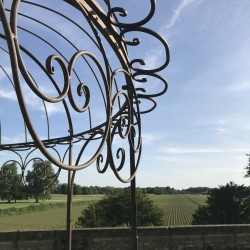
(225, 205)
(77, 189)
(114, 210)
(247, 168)
(10, 182)
(41, 179)
(64, 188)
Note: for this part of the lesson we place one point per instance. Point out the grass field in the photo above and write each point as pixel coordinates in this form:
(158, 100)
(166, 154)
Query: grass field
(51, 218)
(178, 211)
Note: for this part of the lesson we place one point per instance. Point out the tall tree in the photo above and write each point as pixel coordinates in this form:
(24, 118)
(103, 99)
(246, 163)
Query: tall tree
(225, 205)
(41, 179)
(10, 182)
(248, 166)
(77, 189)
(114, 210)
(64, 188)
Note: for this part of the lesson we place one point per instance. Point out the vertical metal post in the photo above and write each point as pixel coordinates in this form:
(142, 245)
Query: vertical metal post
(69, 201)
(133, 198)
(134, 215)
(69, 207)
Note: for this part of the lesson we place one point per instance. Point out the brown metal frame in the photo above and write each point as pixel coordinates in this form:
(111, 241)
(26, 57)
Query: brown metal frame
(124, 122)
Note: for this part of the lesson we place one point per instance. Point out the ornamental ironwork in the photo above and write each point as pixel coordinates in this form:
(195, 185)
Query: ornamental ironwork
(73, 87)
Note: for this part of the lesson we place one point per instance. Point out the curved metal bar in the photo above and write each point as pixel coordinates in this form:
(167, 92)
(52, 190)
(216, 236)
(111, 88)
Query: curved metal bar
(121, 154)
(50, 69)
(6, 172)
(123, 13)
(158, 37)
(82, 86)
(44, 171)
(122, 102)
(60, 14)
(68, 41)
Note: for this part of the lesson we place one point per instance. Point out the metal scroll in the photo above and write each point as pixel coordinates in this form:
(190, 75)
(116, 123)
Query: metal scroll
(73, 85)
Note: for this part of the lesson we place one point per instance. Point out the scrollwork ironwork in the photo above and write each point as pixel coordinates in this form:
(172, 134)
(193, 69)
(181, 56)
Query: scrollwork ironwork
(71, 64)
(123, 13)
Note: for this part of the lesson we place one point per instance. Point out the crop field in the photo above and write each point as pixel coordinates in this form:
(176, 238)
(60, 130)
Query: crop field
(179, 208)
(51, 214)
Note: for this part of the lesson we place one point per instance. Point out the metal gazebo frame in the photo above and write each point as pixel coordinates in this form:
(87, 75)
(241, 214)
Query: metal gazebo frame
(24, 34)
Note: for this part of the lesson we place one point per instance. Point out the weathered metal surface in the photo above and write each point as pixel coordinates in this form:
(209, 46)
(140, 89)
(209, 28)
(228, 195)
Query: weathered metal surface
(62, 53)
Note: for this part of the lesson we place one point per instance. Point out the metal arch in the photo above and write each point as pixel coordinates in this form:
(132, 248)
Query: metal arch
(120, 86)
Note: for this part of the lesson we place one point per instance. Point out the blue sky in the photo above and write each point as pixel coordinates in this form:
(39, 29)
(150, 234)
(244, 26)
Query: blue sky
(199, 133)
(201, 128)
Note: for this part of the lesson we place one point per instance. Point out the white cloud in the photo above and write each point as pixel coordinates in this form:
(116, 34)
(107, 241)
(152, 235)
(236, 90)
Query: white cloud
(153, 57)
(174, 160)
(31, 100)
(11, 95)
(240, 87)
(189, 150)
(150, 139)
(52, 108)
(220, 130)
(200, 150)
(16, 138)
(220, 127)
(180, 8)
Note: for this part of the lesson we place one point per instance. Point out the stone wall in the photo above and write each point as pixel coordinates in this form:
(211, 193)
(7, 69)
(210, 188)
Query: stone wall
(152, 238)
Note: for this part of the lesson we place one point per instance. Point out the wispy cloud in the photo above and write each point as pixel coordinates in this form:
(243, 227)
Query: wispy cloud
(220, 130)
(177, 13)
(175, 160)
(16, 138)
(11, 95)
(152, 57)
(239, 87)
(31, 100)
(150, 138)
(220, 127)
(52, 108)
(190, 150)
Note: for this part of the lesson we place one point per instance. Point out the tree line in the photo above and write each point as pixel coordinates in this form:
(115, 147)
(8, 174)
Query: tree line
(62, 188)
(229, 204)
(40, 182)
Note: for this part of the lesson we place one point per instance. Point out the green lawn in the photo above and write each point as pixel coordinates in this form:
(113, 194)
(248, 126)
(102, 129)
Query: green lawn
(51, 218)
(56, 198)
(178, 211)
(48, 219)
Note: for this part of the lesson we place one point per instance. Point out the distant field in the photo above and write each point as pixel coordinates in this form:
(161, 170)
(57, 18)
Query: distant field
(178, 211)
(56, 198)
(179, 208)
(52, 218)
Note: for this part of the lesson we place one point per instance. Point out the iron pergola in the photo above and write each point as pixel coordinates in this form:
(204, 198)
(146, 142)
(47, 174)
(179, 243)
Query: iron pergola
(75, 87)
